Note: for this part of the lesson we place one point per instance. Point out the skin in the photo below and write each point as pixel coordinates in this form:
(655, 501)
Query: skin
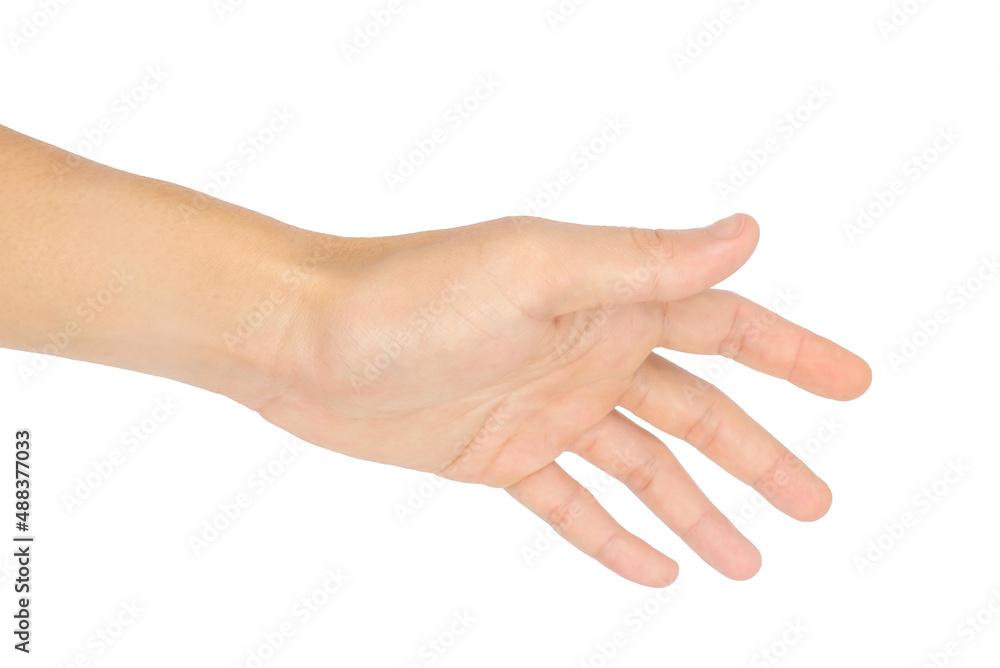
(479, 353)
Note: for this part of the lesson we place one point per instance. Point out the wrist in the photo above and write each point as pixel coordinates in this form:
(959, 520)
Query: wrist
(216, 296)
(264, 340)
(246, 325)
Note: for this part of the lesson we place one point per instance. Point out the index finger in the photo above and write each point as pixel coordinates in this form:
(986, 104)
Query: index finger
(717, 322)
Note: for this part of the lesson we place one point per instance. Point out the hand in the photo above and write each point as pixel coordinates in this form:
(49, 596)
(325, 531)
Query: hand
(483, 353)
(480, 353)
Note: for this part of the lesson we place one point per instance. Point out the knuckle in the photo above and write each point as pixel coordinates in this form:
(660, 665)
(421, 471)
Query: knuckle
(734, 344)
(515, 254)
(658, 244)
(610, 547)
(515, 223)
(705, 429)
(509, 240)
(770, 482)
(735, 341)
(639, 391)
(564, 513)
(687, 532)
(640, 477)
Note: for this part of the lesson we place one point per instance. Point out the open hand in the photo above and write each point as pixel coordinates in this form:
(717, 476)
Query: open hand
(482, 353)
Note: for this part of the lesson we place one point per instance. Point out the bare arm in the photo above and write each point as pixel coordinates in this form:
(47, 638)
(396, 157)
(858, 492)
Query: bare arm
(480, 353)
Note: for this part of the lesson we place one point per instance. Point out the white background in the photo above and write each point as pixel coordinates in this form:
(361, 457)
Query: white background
(688, 127)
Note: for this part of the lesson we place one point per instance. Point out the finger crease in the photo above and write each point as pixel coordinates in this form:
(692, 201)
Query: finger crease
(704, 441)
(733, 343)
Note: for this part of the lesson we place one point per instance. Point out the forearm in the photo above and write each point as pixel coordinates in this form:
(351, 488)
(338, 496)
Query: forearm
(100, 265)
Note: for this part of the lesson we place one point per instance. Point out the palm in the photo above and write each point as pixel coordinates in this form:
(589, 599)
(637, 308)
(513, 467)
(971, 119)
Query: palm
(476, 385)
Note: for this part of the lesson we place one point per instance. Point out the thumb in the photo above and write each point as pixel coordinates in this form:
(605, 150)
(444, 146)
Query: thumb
(587, 266)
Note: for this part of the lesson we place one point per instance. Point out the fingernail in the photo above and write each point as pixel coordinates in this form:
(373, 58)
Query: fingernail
(727, 228)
